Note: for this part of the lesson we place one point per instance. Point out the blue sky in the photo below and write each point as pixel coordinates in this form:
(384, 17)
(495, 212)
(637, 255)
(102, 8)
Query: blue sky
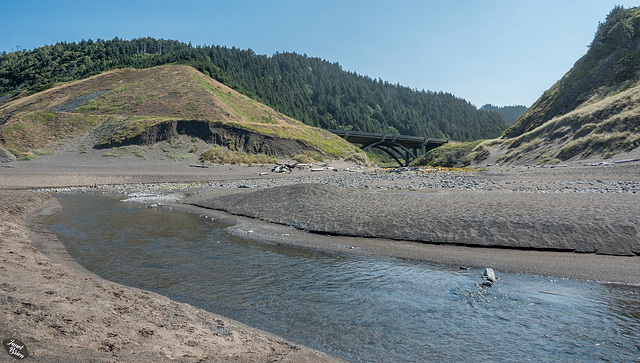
(502, 52)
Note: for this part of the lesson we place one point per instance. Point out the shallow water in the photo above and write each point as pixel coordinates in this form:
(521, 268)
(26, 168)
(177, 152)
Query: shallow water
(357, 308)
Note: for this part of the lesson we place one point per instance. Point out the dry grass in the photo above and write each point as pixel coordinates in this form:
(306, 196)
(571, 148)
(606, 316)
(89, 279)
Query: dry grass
(131, 101)
(218, 156)
(605, 127)
(37, 130)
(454, 154)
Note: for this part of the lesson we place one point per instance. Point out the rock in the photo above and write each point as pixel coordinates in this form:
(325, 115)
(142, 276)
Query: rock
(489, 275)
(6, 156)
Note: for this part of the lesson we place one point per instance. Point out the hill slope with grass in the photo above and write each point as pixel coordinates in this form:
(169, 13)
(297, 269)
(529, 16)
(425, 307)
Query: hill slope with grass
(309, 89)
(611, 66)
(129, 106)
(593, 111)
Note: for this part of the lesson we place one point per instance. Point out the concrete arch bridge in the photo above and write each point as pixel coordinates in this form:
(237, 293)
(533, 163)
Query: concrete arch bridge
(402, 148)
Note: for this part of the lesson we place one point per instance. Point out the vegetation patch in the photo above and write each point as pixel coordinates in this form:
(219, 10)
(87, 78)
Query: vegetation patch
(113, 102)
(113, 155)
(35, 130)
(179, 156)
(217, 156)
(26, 157)
(452, 155)
(308, 157)
(43, 152)
(597, 143)
(360, 158)
(548, 160)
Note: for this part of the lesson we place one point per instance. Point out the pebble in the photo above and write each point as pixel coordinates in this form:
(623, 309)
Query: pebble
(382, 181)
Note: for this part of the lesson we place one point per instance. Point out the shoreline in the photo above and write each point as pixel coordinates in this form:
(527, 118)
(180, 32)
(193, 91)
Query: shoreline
(581, 266)
(63, 312)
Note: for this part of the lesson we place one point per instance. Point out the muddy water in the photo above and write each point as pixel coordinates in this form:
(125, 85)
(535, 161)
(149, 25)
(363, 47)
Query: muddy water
(357, 308)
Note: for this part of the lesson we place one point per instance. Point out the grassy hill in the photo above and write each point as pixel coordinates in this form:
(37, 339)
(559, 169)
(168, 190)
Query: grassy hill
(593, 110)
(611, 66)
(604, 128)
(309, 89)
(129, 106)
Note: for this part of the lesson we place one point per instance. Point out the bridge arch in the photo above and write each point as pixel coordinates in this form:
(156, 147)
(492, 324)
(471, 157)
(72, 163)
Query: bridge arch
(402, 148)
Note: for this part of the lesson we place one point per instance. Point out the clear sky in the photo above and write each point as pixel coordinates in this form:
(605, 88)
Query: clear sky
(503, 52)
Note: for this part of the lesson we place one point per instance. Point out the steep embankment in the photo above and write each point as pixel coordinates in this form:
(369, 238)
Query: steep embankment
(130, 106)
(593, 110)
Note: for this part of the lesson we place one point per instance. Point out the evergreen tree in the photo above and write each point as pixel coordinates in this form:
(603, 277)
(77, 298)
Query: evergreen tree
(509, 113)
(309, 89)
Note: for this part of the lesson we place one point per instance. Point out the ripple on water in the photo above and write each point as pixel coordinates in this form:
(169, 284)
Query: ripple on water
(357, 308)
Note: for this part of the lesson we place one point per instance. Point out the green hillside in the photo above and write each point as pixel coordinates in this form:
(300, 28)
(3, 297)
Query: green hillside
(611, 66)
(594, 110)
(129, 106)
(312, 90)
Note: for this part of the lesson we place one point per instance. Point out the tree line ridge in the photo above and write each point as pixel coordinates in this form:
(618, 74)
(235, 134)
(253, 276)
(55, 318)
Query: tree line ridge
(312, 90)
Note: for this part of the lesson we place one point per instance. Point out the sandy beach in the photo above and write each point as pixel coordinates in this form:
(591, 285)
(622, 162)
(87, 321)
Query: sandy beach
(63, 312)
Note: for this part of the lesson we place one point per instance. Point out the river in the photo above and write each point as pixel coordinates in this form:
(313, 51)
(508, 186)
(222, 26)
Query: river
(356, 308)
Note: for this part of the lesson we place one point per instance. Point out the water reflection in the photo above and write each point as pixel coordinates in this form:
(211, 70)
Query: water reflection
(357, 308)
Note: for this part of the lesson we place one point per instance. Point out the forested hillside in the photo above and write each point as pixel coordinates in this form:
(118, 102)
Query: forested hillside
(312, 90)
(509, 113)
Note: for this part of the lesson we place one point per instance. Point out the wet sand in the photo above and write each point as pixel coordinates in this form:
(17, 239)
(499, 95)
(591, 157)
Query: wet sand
(583, 266)
(64, 313)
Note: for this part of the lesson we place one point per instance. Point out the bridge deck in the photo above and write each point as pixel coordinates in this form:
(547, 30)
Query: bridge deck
(358, 137)
(403, 147)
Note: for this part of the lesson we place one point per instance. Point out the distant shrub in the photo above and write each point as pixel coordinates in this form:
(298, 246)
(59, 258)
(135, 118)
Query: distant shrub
(217, 156)
(548, 160)
(452, 155)
(113, 155)
(43, 152)
(179, 156)
(301, 158)
(27, 157)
